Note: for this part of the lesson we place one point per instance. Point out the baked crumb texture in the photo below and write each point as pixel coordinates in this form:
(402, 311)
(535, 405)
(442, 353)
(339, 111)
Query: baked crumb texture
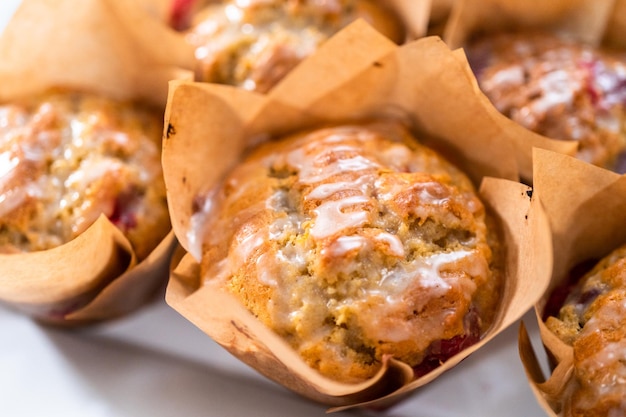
(593, 321)
(352, 243)
(66, 158)
(253, 44)
(558, 88)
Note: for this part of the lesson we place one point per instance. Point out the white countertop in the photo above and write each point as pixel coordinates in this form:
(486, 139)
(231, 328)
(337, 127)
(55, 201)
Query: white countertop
(155, 363)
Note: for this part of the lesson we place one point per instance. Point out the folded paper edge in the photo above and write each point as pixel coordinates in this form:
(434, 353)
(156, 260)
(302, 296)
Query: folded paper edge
(135, 287)
(40, 280)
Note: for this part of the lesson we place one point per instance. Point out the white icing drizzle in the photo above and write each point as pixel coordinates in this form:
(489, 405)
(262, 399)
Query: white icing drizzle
(394, 243)
(91, 170)
(11, 199)
(427, 271)
(324, 191)
(422, 190)
(312, 171)
(509, 76)
(281, 227)
(436, 263)
(429, 198)
(196, 232)
(345, 244)
(247, 243)
(266, 267)
(331, 217)
(611, 355)
(8, 163)
(233, 13)
(558, 88)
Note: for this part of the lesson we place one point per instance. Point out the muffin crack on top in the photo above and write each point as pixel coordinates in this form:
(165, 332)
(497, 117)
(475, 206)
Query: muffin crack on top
(354, 242)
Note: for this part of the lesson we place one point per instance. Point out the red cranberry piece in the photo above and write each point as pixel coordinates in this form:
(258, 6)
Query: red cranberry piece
(605, 86)
(124, 216)
(180, 14)
(561, 293)
(442, 350)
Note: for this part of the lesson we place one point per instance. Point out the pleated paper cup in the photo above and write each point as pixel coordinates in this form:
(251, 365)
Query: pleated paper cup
(438, 16)
(586, 208)
(358, 74)
(584, 20)
(413, 14)
(84, 46)
(614, 32)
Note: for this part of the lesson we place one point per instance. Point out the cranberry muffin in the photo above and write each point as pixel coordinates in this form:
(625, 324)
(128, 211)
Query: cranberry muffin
(591, 320)
(558, 88)
(66, 158)
(354, 242)
(253, 44)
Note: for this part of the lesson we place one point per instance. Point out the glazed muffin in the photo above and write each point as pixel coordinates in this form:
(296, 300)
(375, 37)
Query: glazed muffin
(66, 158)
(355, 242)
(253, 44)
(558, 88)
(591, 320)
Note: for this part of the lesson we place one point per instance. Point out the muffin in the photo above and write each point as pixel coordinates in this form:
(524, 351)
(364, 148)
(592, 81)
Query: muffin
(354, 243)
(68, 158)
(254, 44)
(591, 320)
(558, 88)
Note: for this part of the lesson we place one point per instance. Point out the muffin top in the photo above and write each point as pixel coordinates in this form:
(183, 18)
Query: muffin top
(354, 242)
(253, 44)
(558, 88)
(592, 321)
(68, 157)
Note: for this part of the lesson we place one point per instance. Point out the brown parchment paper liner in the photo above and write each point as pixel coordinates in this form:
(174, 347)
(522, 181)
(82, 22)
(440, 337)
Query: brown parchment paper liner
(87, 45)
(159, 9)
(83, 46)
(584, 20)
(438, 16)
(211, 125)
(614, 33)
(586, 207)
(415, 15)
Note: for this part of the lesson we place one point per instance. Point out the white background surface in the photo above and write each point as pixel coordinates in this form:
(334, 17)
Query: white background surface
(157, 364)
